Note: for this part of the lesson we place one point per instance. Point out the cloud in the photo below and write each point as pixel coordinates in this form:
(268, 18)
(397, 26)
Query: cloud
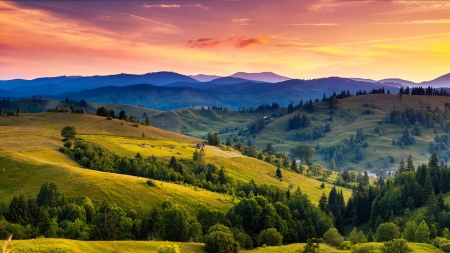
(314, 24)
(161, 6)
(175, 6)
(240, 21)
(331, 5)
(244, 43)
(420, 6)
(297, 45)
(203, 43)
(418, 22)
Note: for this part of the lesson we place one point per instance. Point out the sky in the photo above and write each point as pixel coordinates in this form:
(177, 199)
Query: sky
(300, 39)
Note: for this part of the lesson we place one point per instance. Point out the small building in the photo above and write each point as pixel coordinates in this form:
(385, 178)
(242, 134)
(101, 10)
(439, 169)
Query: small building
(372, 175)
(200, 145)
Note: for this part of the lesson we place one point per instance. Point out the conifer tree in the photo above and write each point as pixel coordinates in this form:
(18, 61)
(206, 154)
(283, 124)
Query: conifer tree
(278, 172)
(401, 167)
(410, 164)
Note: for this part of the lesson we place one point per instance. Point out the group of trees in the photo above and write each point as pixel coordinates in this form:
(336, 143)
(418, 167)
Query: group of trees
(213, 139)
(428, 91)
(427, 118)
(352, 148)
(256, 126)
(298, 121)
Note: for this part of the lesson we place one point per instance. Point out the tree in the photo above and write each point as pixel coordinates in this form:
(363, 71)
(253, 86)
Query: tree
(68, 132)
(105, 223)
(222, 242)
(278, 172)
(305, 153)
(11, 113)
(332, 237)
(17, 111)
(1, 111)
(294, 166)
(122, 115)
(312, 246)
(410, 229)
(357, 237)
(396, 246)
(147, 120)
(174, 224)
(49, 195)
(270, 237)
(387, 231)
(410, 164)
(422, 233)
(143, 135)
(229, 143)
(401, 167)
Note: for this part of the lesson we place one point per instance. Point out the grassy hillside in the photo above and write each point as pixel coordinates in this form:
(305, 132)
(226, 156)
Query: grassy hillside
(71, 246)
(29, 157)
(347, 119)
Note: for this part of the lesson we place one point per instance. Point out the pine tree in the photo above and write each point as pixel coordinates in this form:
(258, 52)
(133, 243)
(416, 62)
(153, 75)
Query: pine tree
(410, 230)
(228, 143)
(323, 203)
(147, 120)
(422, 233)
(434, 161)
(294, 166)
(421, 175)
(278, 172)
(401, 167)
(410, 164)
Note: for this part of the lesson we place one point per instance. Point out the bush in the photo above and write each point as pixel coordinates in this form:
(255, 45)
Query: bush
(332, 237)
(219, 241)
(169, 249)
(135, 125)
(150, 182)
(68, 144)
(11, 113)
(270, 237)
(396, 246)
(445, 247)
(387, 231)
(244, 240)
(64, 150)
(345, 245)
(108, 118)
(363, 248)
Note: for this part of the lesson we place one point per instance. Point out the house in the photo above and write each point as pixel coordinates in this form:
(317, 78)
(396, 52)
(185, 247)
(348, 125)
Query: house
(200, 145)
(372, 175)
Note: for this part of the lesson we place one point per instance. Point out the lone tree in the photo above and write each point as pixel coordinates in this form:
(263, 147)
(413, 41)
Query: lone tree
(18, 111)
(147, 120)
(229, 143)
(279, 175)
(68, 132)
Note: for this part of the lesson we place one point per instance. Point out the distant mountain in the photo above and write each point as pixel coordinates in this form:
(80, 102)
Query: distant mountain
(204, 78)
(56, 85)
(442, 81)
(364, 80)
(228, 80)
(261, 77)
(233, 96)
(398, 81)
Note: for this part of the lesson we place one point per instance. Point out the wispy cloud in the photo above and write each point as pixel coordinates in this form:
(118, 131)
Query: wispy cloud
(401, 7)
(161, 6)
(240, 21)
(175, 6)
(250, 42)
(418, 22)
(314, 24)
(163, 27)
(203, 43)
(332, 5)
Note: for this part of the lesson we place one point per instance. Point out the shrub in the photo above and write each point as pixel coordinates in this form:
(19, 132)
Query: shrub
(345, 245)
(270, 237)
(108, 118)
(11, 113)
(68, 144)
(363, 248)
(150, 182)
(169, 249)
(64, 150)
(332, 237)
(219, 241)
(135, 125)
(445, 247)
(387, 231)
(396, 246)
(244, 240)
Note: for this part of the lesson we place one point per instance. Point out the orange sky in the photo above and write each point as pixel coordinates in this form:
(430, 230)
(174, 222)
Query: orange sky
(300, 39)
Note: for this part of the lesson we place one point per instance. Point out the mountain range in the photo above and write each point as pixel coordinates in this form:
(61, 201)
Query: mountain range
(170, 90)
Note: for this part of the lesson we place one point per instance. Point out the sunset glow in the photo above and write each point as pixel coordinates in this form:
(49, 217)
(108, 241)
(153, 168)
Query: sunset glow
(299, 39)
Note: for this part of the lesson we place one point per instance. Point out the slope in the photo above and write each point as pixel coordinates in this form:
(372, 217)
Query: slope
(34, 139)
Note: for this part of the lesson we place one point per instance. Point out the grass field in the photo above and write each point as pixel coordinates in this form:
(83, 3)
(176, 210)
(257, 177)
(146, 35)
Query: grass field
(348, 118)
(71, 246)
(29, 157)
